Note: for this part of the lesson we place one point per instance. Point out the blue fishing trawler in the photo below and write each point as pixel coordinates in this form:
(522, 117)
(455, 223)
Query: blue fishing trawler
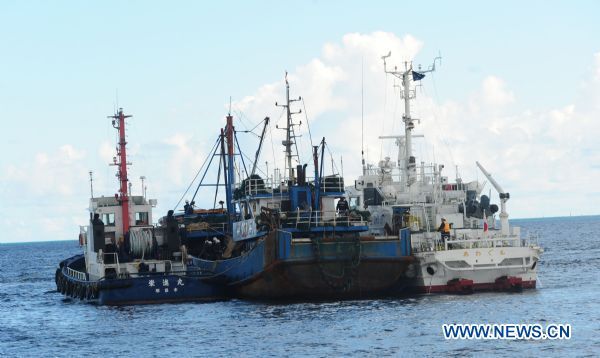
(285, 237)
(127, 260)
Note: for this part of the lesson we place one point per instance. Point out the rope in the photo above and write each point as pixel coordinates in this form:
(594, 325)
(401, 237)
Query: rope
(141, 242)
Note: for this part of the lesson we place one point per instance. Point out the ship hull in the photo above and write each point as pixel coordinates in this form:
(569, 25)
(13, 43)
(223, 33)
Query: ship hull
(331, 280)
(475, 269)
(144, 289)
(280, 267)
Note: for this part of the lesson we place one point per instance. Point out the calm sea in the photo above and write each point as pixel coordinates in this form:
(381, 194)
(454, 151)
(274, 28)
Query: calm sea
(37, 321)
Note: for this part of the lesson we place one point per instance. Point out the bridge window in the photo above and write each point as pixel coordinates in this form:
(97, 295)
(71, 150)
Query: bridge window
(141, 218)
(108, 219)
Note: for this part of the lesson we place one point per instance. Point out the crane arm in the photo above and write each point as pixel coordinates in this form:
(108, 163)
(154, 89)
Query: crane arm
(503, 194)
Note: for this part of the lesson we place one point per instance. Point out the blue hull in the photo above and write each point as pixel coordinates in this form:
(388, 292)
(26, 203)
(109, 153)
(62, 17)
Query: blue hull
(160, 289)
(144, 289)
(278, 268)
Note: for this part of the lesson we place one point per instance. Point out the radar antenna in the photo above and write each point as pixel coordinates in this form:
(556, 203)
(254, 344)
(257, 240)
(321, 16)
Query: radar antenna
(406, 75)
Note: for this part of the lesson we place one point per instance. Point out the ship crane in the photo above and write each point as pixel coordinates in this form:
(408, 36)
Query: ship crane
(504, 196)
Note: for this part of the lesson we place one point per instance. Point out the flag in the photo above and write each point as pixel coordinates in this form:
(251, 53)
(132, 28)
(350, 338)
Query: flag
(417, 76)
(485, 224)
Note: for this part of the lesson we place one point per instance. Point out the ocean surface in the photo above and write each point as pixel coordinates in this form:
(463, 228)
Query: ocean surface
(35, 320)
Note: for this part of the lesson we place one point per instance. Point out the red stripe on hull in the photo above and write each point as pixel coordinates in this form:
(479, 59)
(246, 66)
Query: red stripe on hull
(488, 286)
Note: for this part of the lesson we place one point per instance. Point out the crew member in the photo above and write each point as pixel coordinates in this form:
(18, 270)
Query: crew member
(98, 230)
(122, 251)
(406, 218)
(342, 206)
(173, 240)
(444, 229)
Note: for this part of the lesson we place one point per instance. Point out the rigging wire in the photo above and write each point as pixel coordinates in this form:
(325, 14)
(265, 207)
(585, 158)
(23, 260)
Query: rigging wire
(296, 145)
(218, 181)
(334, 167)
(272, 140)
(241, 156)
(252, 162)
(211, 152)
(394, 115)
(307, 123)
(384, 115)
(362, 113)
(435, 115)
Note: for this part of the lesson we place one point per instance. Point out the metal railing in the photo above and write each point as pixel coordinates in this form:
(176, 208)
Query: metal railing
(206, 226)
(460, 243)
(81, 276)
(115, 262)
(254, 187)
(325, 218)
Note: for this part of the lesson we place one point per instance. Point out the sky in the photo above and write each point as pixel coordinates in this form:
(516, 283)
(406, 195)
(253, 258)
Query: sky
(518, 89)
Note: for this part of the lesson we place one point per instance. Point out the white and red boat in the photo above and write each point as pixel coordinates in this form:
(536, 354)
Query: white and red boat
(476, 255)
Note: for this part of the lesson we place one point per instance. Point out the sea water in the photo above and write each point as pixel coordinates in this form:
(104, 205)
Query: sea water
(35, 320)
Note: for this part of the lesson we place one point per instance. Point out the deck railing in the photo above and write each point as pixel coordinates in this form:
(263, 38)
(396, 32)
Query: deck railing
(254, 187)
(81, 276)
(324, 218)
(462, 242)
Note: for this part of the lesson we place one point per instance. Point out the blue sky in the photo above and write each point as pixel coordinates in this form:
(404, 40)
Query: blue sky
(174, 66)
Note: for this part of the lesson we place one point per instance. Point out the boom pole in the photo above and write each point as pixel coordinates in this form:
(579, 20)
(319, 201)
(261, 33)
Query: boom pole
(262, 138)
(118, 122)
(229, 137)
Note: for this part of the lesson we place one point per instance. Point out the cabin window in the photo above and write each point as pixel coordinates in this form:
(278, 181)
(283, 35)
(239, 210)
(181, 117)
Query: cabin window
(354, 202)
(141, 218)
(108, 219)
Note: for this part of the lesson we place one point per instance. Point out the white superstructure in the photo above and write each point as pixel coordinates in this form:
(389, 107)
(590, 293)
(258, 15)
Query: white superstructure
(404, 193)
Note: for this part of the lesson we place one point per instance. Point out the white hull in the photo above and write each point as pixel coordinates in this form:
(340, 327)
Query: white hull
(474, 266)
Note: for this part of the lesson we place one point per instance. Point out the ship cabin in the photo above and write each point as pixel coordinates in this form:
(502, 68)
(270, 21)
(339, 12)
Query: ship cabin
(302, 205)
(111, 252)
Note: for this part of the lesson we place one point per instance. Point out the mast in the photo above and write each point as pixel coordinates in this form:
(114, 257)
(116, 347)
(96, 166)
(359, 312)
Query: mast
(229, 138)
(118, 122)
(92, 184)
(289, 135)
(409, 168)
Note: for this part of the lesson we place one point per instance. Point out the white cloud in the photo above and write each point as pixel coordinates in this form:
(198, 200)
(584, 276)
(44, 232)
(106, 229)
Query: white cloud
(494, 92)
(548, 159)
(533, 153)
(48, 173)
(107, 152)
(184, 158)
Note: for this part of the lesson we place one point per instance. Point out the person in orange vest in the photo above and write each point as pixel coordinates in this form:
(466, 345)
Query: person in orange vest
(444, 229)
